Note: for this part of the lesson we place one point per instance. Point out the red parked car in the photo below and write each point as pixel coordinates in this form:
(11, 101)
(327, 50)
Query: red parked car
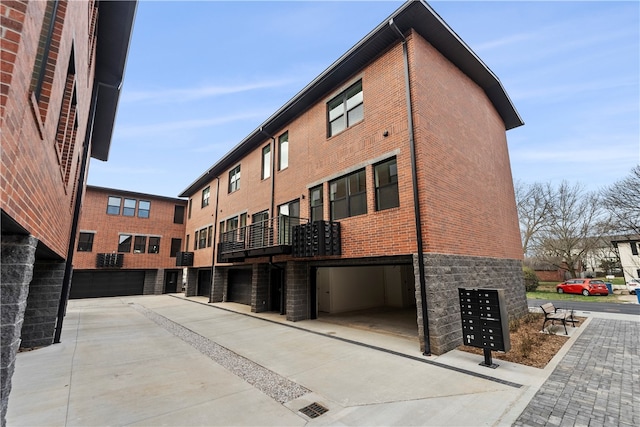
(583, 286)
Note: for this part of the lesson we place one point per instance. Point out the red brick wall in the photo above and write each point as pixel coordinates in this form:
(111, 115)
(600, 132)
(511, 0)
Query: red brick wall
(466, 188)
(464, 172)
(107, 229)
(33, 190)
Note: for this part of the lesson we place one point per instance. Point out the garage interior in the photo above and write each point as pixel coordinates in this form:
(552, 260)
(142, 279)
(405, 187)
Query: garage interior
(379, 298)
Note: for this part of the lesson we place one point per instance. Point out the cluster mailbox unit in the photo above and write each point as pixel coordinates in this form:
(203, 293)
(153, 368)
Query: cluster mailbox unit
(485, 322)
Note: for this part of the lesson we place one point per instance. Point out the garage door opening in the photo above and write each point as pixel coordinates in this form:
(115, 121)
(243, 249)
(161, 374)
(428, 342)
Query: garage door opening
(239, 286)
(376, 298)
(96, 284)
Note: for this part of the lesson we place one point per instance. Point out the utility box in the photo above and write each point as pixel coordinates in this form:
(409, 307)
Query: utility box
(485, 321)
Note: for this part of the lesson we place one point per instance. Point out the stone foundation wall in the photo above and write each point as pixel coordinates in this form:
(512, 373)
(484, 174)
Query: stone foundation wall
(444, 274)
(218, 290)
(41, 313)
(192, 282)
(18, 257)
(260, 288)
(298, 284)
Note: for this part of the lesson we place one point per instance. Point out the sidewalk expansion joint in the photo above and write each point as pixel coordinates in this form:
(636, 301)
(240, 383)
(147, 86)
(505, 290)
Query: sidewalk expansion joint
(270, 383)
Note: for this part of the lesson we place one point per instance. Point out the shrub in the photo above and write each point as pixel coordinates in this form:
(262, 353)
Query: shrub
(530, 279)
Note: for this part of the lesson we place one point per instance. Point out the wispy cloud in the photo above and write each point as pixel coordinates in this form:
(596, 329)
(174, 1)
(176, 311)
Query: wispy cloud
(195, 93)
(183, 125)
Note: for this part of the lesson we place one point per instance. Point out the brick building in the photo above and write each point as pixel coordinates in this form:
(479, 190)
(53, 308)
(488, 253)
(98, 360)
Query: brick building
(384, 183)
(127, 244)
(62, 68)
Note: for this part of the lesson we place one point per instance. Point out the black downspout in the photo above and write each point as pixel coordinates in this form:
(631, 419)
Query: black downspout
(68, 269)
(214, 237)
(273, 218)
(416, 198)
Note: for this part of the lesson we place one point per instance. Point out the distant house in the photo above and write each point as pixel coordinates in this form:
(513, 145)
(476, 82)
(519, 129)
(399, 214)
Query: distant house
(384, 183)
(629, 251)
(62, 69)
(127, 244)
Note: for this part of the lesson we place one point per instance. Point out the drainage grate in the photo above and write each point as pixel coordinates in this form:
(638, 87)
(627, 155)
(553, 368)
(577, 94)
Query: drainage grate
(314, 410)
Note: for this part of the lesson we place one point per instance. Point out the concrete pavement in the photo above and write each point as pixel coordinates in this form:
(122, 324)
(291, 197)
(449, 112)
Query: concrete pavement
(165, 360)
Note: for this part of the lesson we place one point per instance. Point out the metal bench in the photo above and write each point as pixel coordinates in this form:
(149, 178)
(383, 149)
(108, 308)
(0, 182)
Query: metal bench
(551, 313)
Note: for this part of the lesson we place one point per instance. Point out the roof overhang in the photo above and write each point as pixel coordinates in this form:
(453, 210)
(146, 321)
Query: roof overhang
(417, 15)
(115, 25)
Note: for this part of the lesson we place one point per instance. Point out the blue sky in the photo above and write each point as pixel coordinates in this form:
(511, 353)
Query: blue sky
(202, 75)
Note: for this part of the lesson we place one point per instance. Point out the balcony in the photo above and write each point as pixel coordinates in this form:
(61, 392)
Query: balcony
(280, 236)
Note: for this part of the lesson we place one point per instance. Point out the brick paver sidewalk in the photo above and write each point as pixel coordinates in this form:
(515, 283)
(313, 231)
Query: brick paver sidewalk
(596, 384)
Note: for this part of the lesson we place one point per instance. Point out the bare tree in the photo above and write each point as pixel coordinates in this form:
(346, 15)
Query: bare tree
(622, 199)
(574, 224)
(533, 211)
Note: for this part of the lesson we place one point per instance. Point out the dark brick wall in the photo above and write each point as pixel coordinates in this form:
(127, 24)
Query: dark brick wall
(297, 291)
(444, 274)
(42, 304)
(18, 256)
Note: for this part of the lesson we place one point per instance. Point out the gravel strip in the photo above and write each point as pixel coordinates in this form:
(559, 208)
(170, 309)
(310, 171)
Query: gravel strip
(273, 385)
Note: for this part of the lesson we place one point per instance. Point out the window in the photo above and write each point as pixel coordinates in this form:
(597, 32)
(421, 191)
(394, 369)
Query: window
(266, 162)
(47, 52)
(386, 175)
(202, 241)
(124, 243)
(176, 245)
(186, 244)
(288, 217)
(154, 245)
(189, 208)
(139, 244)
(283, 151)
(346, 109)
(234, 179)
(209, 236)
(348, 196)
(243, 225)
(634, 248)
(113, 205)
(205, 197)
(195, 240)
(85, 242)
(232, 224)
(143, 209)
(178, 214)
(315, 203)
(129, 208)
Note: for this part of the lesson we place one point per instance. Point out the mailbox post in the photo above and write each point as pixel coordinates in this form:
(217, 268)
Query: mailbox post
(485, 322)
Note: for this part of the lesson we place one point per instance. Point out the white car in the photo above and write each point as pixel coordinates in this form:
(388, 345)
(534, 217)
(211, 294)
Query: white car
(633, 285)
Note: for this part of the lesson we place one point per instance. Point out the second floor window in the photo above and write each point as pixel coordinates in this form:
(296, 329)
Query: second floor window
(234, 179)
(85, 242)
(315, 203)
(346, 109)
(348, 196)
(176, 245)
(386, 174)
(154, 245)
(139, 244)
(124, 243)
(205, 197)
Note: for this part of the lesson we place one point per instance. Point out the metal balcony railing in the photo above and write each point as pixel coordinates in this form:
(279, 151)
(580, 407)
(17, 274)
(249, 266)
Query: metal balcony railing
(267, 237)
